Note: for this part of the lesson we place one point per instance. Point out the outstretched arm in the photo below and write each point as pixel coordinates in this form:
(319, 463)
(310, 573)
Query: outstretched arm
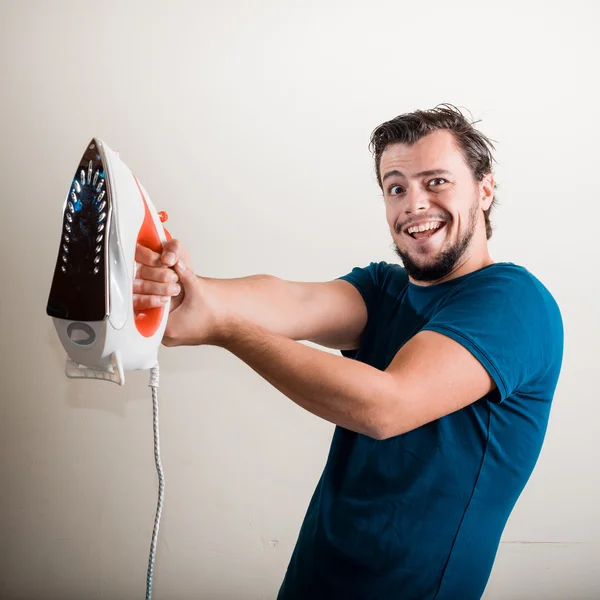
(431, 376)
(330, 313)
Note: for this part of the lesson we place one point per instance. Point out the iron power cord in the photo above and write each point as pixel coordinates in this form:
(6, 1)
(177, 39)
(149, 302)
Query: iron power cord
(154, 376)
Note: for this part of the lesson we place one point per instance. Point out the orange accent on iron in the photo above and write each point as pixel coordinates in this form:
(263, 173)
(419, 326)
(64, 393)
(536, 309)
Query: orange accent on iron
(148, 320)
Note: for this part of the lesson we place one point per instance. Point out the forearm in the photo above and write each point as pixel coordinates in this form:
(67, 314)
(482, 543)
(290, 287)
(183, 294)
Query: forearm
(264, 300)
(343, 391)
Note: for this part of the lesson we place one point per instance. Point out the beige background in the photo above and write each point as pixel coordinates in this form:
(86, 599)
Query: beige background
(249, 123)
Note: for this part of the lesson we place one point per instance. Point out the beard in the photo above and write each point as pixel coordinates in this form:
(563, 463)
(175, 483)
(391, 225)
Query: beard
(443, 264)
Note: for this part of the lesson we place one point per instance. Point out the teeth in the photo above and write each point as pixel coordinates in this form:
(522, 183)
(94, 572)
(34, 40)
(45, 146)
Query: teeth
(425, 227)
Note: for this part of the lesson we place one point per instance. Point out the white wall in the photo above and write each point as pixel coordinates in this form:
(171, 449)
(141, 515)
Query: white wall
(249, 123)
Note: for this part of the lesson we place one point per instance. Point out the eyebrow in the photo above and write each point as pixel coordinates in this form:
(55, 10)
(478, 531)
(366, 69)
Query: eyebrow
(421, 174)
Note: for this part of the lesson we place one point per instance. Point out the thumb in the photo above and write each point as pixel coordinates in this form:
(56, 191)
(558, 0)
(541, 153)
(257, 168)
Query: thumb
(187, 277)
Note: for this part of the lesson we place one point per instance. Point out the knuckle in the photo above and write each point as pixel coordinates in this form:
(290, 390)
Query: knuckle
(145, 287)
(142, 272)
(145, 255)
(173, 245)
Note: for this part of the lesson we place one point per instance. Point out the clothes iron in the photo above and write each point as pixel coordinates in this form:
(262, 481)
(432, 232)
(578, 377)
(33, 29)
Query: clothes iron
(106, 213)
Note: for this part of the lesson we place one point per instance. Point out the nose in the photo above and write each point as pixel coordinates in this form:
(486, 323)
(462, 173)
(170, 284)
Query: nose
(417, 200)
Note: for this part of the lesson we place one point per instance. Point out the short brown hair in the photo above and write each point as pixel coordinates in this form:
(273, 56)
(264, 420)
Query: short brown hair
(409, 128)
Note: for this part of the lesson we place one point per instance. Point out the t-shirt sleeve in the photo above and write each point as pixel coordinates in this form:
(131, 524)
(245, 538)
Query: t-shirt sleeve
(368, 281)
(508, 321)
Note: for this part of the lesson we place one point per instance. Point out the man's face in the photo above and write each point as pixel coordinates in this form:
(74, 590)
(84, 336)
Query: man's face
(434, 207)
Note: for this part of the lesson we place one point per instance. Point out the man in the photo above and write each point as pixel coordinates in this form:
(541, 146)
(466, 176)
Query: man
(441, 396)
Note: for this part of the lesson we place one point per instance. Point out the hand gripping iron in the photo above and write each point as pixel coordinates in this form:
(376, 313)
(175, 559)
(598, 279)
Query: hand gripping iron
(106, 213)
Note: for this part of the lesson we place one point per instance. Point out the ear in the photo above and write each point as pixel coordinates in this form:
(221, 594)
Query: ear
(486, 190)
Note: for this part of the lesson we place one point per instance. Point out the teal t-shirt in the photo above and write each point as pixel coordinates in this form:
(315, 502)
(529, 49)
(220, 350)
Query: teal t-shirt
(420, 515)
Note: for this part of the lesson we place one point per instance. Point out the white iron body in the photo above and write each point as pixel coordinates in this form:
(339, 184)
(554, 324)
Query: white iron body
(105, 348)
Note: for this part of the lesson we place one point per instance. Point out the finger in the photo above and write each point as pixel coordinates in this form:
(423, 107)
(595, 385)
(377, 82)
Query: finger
(171, 252)
(143, 302)
(145, 256)
(155, 288)
(161, 274)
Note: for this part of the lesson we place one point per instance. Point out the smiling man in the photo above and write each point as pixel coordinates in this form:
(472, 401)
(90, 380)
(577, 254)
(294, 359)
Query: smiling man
(441, 396)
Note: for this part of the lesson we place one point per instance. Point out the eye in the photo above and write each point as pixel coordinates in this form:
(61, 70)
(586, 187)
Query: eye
(439, 180)
(395, 190)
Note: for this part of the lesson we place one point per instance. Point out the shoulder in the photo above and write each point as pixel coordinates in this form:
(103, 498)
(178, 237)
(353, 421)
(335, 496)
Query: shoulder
(508, 319)
(509, 297)
(506, 272)
(513, 283)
